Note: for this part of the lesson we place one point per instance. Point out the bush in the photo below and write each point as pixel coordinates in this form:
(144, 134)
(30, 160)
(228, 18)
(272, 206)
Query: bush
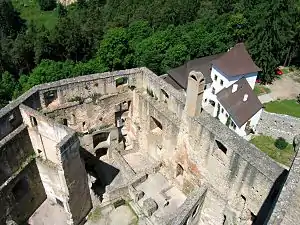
(298, 98)
(280, 143)
(47, 5)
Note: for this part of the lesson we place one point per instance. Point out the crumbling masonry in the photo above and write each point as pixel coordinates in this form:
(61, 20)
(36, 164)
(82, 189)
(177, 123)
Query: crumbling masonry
(102, 139)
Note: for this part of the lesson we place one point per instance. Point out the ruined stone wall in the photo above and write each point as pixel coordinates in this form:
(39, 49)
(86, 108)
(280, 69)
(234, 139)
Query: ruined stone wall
(241, 176)
(93, 115)
(62, 172)
(22, 194)
(80, 88)
(21, 189)
(277, 125)
(79, 201)
(10, 116)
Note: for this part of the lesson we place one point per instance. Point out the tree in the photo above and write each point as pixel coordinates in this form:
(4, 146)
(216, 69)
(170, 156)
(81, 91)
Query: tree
(237, 26)
(175, 56)
(7, 86)
(47, 71)
(272, 36)
(151, 51)
(47, 5)
(69, 41)
(114, 49)
(61, 10)
(10, 21)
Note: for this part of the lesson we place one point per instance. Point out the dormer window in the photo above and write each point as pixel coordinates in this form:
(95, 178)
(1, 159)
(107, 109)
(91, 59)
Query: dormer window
(216, 77)
(221, 82)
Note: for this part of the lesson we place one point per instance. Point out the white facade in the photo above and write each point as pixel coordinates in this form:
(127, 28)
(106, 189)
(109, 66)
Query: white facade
(212, 105)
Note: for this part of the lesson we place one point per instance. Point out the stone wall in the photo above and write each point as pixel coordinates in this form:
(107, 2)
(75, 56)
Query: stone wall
(240, 175)
(242, 181)
(79, 199)
(286, 211)
(21, 190)
(190, 211)
(278, 125)
(22, 194)
(90, 115)
(61, 169)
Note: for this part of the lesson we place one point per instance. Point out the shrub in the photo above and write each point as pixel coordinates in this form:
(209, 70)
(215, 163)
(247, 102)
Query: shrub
(47, 5)
(280, 143)
(298, 98)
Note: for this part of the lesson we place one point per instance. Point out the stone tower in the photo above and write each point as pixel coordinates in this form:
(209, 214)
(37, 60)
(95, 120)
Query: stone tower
(194, 93)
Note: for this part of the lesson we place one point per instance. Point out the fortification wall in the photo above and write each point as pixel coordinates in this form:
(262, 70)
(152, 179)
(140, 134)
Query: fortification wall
(22, 194)
(242, 177)
(286, 210)
(242, 180)
(277, 125)
(61, 169)
(21, 190)
(90, 115)
(79, 201)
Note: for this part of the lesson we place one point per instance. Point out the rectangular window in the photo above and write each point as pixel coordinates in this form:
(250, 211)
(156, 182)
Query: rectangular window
(33, 121)
(50, 96)
(204, 87)
(221, 147)
(213, 90)
(227, 115)
(221, 82)
(222, 110)
(233, 125)
(216, 77)
(121, 81)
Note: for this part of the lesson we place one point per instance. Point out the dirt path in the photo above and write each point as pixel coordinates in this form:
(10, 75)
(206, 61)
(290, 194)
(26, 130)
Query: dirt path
(288, 87)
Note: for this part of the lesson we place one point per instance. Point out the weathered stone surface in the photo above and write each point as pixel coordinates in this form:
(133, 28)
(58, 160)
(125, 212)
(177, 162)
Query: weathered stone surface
(149, 206)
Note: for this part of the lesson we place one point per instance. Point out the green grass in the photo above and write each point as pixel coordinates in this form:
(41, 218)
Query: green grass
(266, 145)
(95, 214)
(261, 89)
(30, 11)
(287, 107)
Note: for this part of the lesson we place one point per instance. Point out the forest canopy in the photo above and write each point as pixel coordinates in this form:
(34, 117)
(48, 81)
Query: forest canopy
(42, 41)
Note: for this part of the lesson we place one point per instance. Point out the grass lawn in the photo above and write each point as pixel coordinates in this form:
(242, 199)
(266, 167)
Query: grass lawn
(287, 107)
(261, 89)
(30, 11)
(266, 145)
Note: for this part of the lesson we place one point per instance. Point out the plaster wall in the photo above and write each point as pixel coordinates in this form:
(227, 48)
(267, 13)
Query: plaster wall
(228, 80)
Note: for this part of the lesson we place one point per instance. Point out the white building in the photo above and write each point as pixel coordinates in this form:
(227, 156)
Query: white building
(230, 78)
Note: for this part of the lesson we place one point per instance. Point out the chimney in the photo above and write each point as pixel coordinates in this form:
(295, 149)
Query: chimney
(234, 88)
(245, 97)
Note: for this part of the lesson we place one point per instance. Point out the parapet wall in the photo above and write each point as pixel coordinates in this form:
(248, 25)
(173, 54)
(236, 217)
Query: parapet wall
(278, 125)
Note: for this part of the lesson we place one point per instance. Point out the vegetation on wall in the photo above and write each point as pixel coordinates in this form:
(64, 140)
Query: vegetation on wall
(95, 35)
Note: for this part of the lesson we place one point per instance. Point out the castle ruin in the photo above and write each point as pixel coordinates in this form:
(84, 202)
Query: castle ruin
(129, 137)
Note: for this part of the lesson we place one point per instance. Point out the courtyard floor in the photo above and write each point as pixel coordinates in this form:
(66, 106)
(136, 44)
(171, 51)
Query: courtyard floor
(48, 214)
